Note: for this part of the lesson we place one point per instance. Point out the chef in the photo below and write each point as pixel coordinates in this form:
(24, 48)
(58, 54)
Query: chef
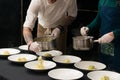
(53, 18)
(108, 21)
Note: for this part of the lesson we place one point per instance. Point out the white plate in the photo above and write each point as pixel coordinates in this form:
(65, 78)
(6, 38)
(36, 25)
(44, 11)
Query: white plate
(28, 57)
(23, 47)
(97, 75)
(62, 58)
(47, 65)
(84, 65)
(11, 51)
(65, 74)
(52, 52)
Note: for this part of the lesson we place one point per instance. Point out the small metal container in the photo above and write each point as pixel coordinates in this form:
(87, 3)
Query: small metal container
(82, 42)
(47, 42)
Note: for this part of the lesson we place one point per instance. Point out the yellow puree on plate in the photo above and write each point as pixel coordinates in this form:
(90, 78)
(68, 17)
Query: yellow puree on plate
(66, 61)
(105, 78)
(6, 52)
(91, 67)
(21, 59)
(40, 64)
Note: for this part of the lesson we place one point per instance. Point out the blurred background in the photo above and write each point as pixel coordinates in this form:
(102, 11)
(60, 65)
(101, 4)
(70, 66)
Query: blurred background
(12, 16)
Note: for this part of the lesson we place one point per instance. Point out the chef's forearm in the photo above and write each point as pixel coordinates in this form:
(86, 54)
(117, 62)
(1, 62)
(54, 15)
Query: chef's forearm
(27, 36)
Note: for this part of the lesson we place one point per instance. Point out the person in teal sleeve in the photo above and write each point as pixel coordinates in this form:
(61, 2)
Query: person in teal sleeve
(108, 21)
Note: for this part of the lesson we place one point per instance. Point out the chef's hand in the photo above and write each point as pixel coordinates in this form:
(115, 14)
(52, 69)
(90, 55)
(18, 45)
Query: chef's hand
(84, 31)
(56, 32)
(34, 46)
(106, 38)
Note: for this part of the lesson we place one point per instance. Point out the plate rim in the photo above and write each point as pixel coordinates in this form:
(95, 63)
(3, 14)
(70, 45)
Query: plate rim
(60, 53)
(40, 69)
(21, 46)
(65, 68)
(75, 65)
(101, 71)
(11, 49)
(66, 55)
(21, 61)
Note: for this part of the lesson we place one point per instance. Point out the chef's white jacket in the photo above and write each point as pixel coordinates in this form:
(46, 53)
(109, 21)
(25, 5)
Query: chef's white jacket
(48, 14)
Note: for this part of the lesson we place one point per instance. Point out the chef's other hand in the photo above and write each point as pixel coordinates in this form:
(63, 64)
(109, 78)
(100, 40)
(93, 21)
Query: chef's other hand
(106, 38)
(84, 31)
(34, 46)
(56, 33)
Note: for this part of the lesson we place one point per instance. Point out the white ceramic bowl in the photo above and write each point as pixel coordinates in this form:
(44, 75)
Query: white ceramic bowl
(23, 47)
(97, 75)
(28, 57)
(65, 74)
(51, 52)
(66, 59)
(83, 65)
(8, 51)
(47, 65)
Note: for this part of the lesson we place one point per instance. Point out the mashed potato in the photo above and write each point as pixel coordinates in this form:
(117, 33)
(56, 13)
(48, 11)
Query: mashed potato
(21, 59)
(66, 61)
(91, 67)
(6, 53)
(105, 78)
(40, 64)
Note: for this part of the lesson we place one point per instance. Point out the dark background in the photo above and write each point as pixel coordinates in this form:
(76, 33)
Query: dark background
(10, 23)
(12, 16)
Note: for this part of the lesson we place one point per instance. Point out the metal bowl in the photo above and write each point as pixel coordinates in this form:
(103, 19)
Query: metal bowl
(82, 42)
(46, 41)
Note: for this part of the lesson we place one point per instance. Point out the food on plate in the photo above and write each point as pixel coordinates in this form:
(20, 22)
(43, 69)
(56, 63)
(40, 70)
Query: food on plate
(66, 61)
(21, 59)
(105, 78)
(47, 55)
(40, 65)
(91, 67)
(40, 59)
(6, 52)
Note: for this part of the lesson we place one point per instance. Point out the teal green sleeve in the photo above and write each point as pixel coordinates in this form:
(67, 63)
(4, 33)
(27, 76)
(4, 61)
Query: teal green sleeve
(95, 24)
(116, 33)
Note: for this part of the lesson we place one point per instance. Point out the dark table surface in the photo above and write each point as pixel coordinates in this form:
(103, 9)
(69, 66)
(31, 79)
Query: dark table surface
(13, 71)
(17, 71)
